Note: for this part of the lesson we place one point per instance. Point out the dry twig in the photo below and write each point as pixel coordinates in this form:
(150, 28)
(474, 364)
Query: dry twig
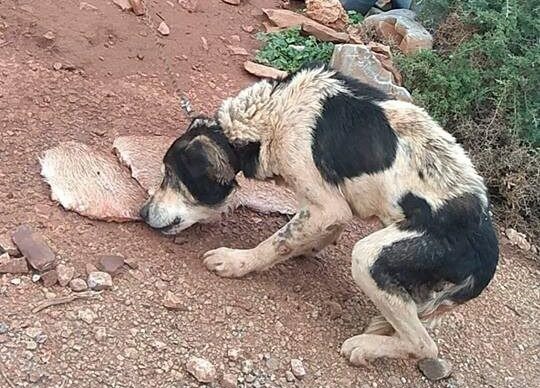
(63, 300)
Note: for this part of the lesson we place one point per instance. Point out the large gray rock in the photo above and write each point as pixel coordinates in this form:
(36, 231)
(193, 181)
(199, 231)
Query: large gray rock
(358, 61)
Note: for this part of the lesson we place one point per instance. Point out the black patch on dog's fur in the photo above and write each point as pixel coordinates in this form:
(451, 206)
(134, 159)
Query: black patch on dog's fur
(458, 241)
(248, 156)
(352, 137)
(187, 162)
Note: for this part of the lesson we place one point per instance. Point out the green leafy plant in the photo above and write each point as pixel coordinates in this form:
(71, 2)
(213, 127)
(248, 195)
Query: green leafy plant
(288, 50)
(355, 17)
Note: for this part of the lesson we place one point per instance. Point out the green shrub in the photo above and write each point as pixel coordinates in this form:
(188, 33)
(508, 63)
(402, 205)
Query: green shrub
(288, 50)
(355, 17)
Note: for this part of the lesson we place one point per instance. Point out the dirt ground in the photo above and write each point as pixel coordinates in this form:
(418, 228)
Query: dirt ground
(117, 84)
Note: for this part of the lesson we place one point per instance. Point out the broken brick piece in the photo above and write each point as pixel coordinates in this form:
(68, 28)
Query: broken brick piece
(34, 247)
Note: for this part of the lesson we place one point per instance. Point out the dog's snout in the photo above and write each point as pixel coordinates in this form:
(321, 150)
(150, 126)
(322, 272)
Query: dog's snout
(144, 211)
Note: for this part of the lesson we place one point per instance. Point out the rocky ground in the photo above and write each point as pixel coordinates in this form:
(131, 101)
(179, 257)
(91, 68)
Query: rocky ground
(89, 72)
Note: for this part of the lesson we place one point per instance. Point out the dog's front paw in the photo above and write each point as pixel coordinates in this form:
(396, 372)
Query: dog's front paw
(353, 350)
(227, 262)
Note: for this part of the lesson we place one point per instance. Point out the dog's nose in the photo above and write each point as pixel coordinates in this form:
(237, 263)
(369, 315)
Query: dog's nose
(144, 211)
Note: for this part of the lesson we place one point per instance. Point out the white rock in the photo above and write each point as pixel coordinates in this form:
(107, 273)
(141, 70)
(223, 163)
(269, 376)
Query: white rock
(518, 239)
(78, 285)
(65, 274)
(297, 368)
(99, 280)
(201, 369)
(87, 316)
(164, 29)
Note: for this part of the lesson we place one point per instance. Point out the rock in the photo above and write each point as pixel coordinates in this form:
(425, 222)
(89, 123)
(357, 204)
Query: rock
(99, 281)
(272, 364)
(325, 34)
(16, 281)
(78, 285)
(49, 35)
(36, 277)
(124, 5)
(201, 369)
(247, 367)
(87, 6)
(163, 29)
(516, 238)
(263, 71)
(358, 61)
(327, 12)
(65, 274)
(289, 376)
(7, 246)
(248, 28)
(283, 18)
(384, 55)
(13, 266)
(110, 264)
(334, 309)
(87, 316)
(204, 43)
(57, 66)
(89, 268)
(100, 334)
(435, 368)
(33, 246)
(49, 278)
(232, 2)
(238, 50)
(297, 368)
(229, 380)
(189, 5)
(137, 6)
(173, 302)
(233, 354)
(3, 328)
(403, 31)
(91, 183)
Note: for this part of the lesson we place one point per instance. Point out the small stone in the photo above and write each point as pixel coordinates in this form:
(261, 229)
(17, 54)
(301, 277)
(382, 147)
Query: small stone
(31, 345)
(238, 50)
(33, 246)
(16, 281)
(325, 34)
(272, 364)
(100, 334)
(233, 354)
(263, 71)
(247, 366)
(110, 264)
(99, 281)
(248, 28)
(3, 328)
(87, 316)
(35, 375)
(297, 368)
(250, 378)
(36, 277)
(232, 2)
(163, 29)
(517, 238)
(289, 376)
(49, 35)
(131, 263)
(138, 7)
(49, 278)
(201, 369)
(57, 66)
(7, 246)
(229, 381)
(65, 274)
(90, 268)
(78, 285)
(87, 6)
(173, 302)
(123, 4)
(205, 47)
(13, 266)
(435, 368)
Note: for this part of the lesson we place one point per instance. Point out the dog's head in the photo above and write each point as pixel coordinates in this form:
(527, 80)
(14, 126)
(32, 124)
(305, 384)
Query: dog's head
(198, 179)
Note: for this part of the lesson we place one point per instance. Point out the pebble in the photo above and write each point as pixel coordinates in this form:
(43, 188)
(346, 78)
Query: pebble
(3, 328)
(99, 281)
(110, 263)
(247, 366)
(78, 285)
(229, 380)
(16, 281)
(65, 274)
(272, 364)
(49, 278)
(201, 369)
(31, 345)
(34, 247)
(57, 66)
(164, 29)
(289, 376)
(233, 354)
(100, 334)
(36, 277)
(87, 316)
(297, 368)
(173, 302)
(435, 368)
(49, 35)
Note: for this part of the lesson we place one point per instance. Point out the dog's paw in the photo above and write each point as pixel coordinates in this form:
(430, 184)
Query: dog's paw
(227, 262)
(353, 350)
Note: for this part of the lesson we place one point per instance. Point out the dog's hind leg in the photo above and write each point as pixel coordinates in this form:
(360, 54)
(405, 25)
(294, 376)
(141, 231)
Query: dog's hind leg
(410, 338)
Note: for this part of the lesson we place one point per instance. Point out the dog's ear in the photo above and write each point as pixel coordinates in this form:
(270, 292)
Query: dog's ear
(201, 121)
(206, 158)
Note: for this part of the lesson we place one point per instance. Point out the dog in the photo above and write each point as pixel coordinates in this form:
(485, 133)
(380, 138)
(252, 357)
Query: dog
(347, 150)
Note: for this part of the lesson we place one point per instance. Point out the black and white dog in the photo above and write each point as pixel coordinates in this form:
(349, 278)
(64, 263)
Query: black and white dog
(347, 150)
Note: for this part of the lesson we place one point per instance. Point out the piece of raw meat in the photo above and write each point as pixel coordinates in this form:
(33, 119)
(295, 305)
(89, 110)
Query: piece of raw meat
(91, 183)
(144, 156)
